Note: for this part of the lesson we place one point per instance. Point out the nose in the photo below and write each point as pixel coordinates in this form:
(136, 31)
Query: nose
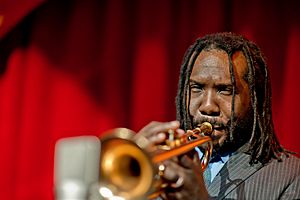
(209, 106)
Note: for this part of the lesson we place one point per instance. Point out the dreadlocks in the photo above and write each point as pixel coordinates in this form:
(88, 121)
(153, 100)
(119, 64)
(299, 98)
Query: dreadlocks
(263, 142)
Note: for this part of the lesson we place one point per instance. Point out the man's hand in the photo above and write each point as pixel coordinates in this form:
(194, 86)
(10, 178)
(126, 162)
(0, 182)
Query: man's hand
(156, 132)
(183, 174)
(190, 172)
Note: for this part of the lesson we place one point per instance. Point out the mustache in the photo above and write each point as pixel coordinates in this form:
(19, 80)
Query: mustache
(213, 121)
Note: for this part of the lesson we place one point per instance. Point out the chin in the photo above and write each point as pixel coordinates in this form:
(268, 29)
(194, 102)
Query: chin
(219, 143)
(224, 145)
(219, 137)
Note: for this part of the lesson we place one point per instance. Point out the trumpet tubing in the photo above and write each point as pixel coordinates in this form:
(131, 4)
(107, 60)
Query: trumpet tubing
(129, 171)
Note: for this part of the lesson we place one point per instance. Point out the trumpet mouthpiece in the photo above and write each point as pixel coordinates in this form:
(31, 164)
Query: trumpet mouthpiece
(206, 128)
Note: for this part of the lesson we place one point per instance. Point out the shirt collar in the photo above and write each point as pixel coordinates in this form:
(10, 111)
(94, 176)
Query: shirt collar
(216, 157)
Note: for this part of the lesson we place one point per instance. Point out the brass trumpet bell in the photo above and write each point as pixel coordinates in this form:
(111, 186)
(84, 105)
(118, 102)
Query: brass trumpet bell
(125, 168)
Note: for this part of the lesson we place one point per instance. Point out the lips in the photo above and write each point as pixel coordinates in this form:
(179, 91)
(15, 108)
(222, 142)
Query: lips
(218, 131)
(218, 127)
(215, 127)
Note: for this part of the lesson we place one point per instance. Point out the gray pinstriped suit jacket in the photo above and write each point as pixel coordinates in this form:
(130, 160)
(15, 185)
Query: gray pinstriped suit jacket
(275, 180)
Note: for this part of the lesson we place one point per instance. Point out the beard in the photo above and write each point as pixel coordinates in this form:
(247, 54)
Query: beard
(236, 137)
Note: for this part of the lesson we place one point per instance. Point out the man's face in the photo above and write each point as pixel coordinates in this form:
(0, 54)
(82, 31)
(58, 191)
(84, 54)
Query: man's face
(211, 95)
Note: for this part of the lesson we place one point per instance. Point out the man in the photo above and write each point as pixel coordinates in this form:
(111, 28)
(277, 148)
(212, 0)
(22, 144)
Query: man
(224, 80)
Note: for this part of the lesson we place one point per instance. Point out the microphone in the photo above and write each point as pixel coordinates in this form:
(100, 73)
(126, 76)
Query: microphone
(76, 167)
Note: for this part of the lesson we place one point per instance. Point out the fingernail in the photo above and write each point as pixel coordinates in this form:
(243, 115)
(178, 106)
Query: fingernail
(161, 135)
(180, 132)
(174, 123)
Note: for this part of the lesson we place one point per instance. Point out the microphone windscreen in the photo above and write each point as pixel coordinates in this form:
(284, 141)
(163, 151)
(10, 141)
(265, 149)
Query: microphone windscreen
(76, 167)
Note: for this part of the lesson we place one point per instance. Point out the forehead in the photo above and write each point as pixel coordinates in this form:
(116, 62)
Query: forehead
(215, 63)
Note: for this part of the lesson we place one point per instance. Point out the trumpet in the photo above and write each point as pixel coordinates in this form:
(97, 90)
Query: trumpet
(131, 169)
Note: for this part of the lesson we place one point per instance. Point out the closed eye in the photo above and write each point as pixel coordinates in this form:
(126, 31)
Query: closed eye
(225, 89)
(196, 87)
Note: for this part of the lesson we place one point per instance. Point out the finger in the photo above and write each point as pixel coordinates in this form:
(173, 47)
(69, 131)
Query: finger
(173, 194)
(170, 172)
(159, 127)
(190, 162)
(161, 137)
(158, 138)
(156, 132)
(194, 165)
(180, 132)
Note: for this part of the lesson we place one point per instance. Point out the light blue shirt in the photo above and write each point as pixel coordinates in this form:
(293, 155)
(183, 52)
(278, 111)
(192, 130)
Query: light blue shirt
(214, 165)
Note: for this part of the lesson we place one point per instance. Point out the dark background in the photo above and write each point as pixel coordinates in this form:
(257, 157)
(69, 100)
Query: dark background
(80, 67)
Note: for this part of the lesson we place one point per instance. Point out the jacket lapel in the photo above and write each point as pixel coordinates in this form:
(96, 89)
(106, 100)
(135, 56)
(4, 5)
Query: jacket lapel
(233, 174)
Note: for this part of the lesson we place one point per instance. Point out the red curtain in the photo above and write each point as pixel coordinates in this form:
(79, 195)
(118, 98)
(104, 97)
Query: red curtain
(79, 67)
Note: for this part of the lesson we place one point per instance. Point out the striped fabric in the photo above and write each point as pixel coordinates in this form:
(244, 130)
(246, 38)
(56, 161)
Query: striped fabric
(238, 180)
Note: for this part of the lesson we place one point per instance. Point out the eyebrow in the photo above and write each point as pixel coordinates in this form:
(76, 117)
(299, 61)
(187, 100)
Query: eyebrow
(194, 82)
(218, 84)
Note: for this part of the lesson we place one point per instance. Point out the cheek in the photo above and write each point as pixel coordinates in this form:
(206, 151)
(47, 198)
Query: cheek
(193, 107)
(241, 106)
(225, 107)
